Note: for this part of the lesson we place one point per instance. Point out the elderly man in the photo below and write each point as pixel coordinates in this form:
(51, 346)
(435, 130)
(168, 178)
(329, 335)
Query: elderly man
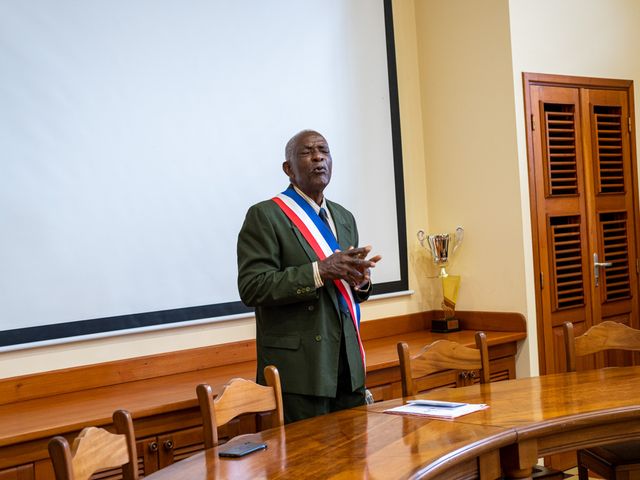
(299, 264)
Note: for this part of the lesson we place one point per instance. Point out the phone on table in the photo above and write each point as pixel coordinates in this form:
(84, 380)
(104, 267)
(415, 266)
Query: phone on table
(240, 449)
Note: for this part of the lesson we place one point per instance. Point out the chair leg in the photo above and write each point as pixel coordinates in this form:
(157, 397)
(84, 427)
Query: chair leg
(583, 473)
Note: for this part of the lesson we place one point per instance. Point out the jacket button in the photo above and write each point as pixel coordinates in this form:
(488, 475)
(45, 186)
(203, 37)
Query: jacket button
(308, 289)
(318, 338)
(310, 308)
(298, 291)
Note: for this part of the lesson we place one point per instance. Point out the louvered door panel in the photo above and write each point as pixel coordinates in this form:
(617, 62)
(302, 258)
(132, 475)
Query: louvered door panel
(609, 171)
(562, 229)
(613, 230)
(179, 445)
(567, 257)
(147, 450)
(109, 474)
(561, 168)
(183, 451)
(616, 281)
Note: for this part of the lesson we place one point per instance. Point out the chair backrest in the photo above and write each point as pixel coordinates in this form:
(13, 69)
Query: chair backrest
(239, 396)
(603, 336)
(442, 355)
(96, 449)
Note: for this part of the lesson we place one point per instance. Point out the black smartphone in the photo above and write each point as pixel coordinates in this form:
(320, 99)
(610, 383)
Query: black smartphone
(240, 449)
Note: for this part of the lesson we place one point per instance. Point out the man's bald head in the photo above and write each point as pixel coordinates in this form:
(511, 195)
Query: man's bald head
(290, 148)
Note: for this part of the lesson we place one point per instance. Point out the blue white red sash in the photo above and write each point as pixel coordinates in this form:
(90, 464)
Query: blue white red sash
(322, 241)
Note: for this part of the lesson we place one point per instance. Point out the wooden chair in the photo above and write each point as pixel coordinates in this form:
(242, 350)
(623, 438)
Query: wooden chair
(622, 460)
(239, 396)
(442, 355)
(97, 449)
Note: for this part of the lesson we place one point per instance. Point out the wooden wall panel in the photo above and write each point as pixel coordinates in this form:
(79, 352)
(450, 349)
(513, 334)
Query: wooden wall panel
(17, 389)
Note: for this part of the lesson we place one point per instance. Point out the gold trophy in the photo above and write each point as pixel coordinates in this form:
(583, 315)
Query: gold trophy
(438, 247)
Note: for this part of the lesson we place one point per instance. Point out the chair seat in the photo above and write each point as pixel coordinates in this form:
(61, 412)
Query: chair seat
(617, 454)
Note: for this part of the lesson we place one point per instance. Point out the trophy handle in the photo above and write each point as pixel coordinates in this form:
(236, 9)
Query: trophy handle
(459, 238)
(421, 238)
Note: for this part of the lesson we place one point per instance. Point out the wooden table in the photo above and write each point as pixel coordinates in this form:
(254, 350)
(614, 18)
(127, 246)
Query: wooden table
(528, 418)
(350, 444)
(554, 413)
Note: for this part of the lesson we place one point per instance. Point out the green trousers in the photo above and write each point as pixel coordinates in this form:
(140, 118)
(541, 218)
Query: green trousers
(298, 407)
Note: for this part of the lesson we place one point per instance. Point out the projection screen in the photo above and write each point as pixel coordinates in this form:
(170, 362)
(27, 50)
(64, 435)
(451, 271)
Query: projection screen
(134, 135)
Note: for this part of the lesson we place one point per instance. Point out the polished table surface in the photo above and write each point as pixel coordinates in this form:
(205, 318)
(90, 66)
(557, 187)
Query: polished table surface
(527, 418)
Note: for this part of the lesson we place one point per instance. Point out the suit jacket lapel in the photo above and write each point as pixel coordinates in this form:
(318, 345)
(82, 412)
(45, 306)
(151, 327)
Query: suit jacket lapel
(343, 232)
(331, 289)
(343, 229)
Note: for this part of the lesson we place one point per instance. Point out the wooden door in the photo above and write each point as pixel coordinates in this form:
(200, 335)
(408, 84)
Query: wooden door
(179, 445)
(24, 472)
(582, 179)
(612, 233)
(147, 455)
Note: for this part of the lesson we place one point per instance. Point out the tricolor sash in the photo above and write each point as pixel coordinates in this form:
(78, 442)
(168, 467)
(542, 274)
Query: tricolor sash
(323, 242)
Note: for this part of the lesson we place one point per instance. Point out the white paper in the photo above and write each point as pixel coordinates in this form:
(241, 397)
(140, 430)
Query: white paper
(439, 412)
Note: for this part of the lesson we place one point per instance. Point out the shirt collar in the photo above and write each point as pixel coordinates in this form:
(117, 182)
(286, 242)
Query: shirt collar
(312, 202)
(317, 208)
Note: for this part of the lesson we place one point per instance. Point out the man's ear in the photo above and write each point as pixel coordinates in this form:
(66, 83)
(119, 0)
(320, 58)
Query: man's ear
(286, 168)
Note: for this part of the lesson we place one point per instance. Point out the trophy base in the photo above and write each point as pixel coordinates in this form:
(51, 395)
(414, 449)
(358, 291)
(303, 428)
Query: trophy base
(445, 325)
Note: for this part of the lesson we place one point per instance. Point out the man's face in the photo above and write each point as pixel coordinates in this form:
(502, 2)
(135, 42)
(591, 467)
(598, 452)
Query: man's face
(310, 166)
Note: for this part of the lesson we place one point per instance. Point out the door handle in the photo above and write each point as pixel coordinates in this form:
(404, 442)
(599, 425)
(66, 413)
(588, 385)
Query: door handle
(597, 266)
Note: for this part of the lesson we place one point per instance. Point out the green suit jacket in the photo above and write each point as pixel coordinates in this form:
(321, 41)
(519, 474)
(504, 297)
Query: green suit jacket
(298, 327)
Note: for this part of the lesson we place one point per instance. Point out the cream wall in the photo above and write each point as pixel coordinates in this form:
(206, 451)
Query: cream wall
(93, 351)
(471, 153)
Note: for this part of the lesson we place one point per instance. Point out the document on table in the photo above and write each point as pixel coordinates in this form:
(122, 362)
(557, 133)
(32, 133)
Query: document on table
(436, 408)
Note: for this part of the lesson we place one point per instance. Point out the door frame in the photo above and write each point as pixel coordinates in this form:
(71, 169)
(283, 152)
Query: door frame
(530, 79)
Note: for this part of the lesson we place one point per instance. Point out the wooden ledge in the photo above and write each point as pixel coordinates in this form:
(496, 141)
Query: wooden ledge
(58, 382)
(380, 355)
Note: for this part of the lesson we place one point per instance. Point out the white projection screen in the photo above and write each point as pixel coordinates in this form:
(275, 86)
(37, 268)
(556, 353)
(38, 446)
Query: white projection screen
(134, 135)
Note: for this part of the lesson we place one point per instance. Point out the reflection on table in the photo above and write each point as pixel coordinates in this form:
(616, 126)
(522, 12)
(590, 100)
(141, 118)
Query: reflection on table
(527, 418)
